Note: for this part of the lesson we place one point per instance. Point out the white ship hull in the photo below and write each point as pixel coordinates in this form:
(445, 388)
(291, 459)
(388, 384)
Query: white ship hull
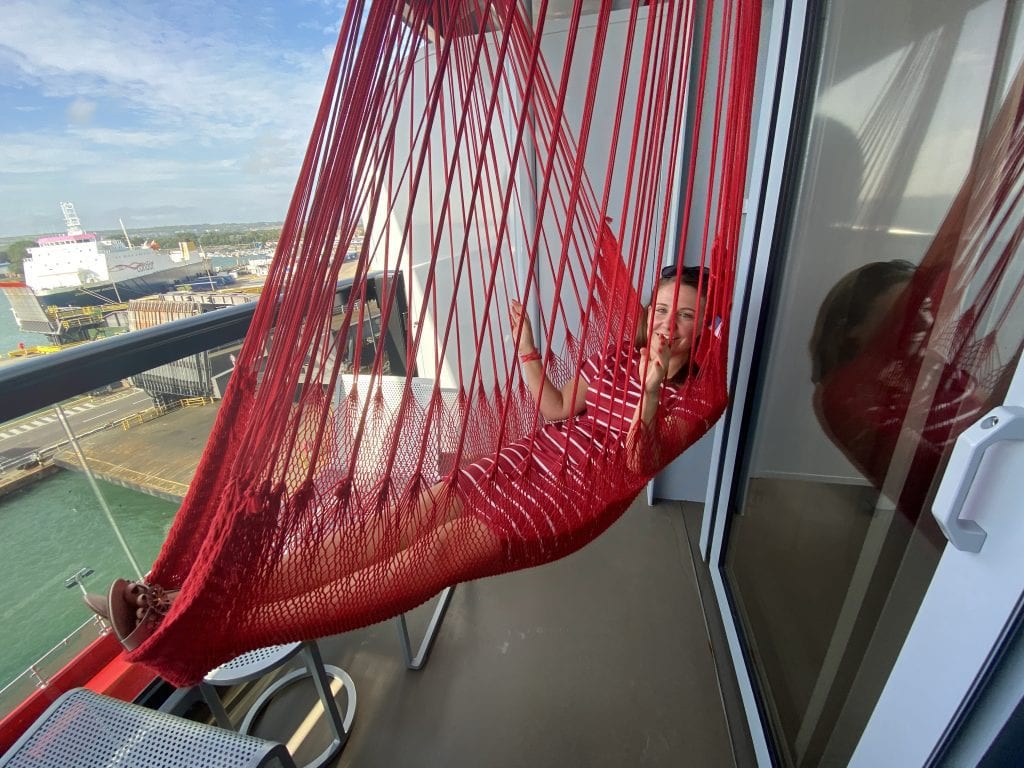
(78, 269)
(121, 290)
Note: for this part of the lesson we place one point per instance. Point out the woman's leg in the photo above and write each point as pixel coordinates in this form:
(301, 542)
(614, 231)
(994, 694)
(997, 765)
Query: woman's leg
(456, 550)
(358, 543)
(365, 573)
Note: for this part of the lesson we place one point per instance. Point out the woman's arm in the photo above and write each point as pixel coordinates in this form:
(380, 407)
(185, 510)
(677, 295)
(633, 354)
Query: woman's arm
(555, 404)
(643, 451)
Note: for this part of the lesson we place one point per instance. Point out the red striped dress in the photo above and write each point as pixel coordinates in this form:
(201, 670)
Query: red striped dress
(539, 495)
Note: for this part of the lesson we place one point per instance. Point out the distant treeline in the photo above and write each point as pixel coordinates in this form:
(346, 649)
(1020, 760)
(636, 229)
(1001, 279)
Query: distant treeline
(245, 237)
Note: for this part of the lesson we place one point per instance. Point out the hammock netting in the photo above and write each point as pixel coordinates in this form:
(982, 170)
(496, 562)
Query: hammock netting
(378, 444)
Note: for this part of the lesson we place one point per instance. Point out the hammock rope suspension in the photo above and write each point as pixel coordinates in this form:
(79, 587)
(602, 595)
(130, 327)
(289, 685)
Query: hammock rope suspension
(379, 442)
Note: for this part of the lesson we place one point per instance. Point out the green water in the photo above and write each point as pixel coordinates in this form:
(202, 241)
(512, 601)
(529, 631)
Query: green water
(47, 533)
(10, 336)
(51, 530)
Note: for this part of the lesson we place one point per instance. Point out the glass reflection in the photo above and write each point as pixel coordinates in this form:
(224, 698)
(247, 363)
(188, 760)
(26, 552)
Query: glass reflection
(898, 321)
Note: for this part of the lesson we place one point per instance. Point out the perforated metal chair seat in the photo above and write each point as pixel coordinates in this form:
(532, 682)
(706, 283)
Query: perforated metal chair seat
(83, 729)
(252, 665)
(255, 664)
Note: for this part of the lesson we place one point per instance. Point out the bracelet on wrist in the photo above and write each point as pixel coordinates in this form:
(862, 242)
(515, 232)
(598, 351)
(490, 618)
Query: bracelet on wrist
(529, 357)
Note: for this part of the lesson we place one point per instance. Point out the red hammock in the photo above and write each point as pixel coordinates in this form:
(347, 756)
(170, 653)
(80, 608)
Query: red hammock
(353, 473)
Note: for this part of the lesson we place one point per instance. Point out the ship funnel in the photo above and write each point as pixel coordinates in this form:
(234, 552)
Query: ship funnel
(71, 219)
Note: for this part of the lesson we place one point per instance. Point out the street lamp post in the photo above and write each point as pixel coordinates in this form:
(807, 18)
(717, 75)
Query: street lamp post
(76, 579)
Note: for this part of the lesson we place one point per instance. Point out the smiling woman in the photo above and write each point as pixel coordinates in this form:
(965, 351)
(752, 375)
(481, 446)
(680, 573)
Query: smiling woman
(689, 295)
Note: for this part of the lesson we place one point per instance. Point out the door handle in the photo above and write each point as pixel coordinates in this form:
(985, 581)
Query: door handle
(1003, 423)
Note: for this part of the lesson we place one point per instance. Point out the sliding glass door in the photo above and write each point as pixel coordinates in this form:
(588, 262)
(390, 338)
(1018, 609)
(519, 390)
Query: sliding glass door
(892, 321)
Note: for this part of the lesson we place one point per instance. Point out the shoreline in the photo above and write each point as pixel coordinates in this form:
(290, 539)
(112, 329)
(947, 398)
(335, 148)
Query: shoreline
(17, 479)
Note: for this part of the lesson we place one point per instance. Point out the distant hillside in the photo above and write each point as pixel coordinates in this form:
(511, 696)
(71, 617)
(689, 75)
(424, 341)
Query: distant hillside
(207, 234)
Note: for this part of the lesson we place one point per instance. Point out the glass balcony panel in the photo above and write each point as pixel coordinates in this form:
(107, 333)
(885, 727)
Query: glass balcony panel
(90, 486)
(141, 441)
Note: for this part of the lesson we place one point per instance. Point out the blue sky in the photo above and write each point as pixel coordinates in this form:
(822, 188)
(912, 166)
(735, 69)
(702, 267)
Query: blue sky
(157, 113)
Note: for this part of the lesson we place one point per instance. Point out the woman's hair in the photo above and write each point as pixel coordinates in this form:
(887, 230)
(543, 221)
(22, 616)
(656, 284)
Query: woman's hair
(845, 308)
(695, 277)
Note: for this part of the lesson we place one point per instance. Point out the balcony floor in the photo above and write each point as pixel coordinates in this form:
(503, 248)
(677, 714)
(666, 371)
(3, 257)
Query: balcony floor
(600, 659)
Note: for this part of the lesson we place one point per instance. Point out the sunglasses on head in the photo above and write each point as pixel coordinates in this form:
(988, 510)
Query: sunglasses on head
(688, 273)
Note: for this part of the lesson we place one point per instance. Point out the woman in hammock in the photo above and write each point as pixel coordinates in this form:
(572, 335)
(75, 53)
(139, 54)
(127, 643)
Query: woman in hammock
(627, 409)
(670, 327)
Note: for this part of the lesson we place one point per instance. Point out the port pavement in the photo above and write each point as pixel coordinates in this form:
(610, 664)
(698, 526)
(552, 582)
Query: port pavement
(28, 444)
(157, 455)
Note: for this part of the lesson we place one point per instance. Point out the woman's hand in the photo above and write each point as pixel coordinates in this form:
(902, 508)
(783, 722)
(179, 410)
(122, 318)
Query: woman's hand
(644, 453)
(655, 363)
(555, 404)
(517, 315)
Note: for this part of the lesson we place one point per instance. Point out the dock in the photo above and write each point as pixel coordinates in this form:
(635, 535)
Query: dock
(16, 479)
(156, 456)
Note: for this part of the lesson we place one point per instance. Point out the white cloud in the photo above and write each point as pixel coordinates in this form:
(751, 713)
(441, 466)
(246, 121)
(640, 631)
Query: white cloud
(80, 111)
(166, 101)
(268, 155)
(139, 61)
(128, 138)
(35, 154)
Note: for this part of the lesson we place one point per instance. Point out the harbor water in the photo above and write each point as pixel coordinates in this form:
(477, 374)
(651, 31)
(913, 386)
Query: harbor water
(48, 532)
(51, 530)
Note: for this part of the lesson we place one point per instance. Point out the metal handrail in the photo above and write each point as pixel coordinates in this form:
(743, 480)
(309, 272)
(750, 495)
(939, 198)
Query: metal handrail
(41, 680)
(40, 382)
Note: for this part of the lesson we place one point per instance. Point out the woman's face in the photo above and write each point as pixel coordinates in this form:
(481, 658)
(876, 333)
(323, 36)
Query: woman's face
(877, 314)
(676, 323)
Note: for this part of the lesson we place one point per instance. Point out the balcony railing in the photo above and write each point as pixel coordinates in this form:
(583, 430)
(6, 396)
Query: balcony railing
(40, 382)
(75, 425)
(53, 521)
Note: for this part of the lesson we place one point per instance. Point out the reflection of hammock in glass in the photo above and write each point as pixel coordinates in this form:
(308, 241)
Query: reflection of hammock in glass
(306, 515)
(944, 352)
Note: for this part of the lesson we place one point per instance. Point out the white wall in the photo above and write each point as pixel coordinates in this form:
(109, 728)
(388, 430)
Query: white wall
(510, 277)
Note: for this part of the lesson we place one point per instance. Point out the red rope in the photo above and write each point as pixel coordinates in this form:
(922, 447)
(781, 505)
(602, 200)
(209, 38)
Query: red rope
(334, 493)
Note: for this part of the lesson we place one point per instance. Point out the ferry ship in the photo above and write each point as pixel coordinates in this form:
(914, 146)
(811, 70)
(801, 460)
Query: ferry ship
(79, 268)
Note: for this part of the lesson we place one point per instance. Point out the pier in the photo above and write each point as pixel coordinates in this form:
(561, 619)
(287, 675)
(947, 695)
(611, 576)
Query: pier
(156, 451)
(156, 455)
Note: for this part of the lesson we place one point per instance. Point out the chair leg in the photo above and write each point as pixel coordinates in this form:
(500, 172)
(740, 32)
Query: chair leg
(420, 659)
(315, 665)
(321, 674)
(213, 701)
